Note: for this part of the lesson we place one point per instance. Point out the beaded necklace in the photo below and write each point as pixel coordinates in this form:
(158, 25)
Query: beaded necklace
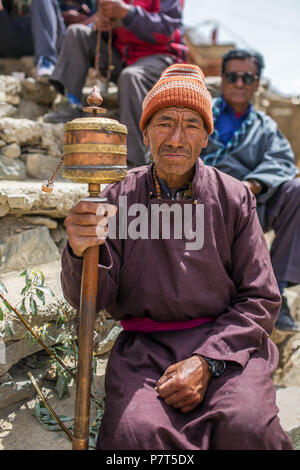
(158, 193)
(156, 183)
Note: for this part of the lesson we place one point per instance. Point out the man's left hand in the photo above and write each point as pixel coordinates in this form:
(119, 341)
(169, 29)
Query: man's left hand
(183, 385)
(114, 9)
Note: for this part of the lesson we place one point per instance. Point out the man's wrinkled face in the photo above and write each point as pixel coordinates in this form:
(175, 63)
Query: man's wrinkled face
(239, 94)
(175, 136)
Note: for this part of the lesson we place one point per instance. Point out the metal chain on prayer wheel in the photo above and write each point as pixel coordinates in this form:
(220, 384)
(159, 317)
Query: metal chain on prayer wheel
(94, 152)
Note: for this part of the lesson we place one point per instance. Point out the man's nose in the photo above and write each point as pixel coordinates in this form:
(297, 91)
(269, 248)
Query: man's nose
(239, 83)
(177, 137)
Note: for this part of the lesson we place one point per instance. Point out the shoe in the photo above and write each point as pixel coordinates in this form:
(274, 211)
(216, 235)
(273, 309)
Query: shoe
(66, 113)
(285, 321)
(44, 69)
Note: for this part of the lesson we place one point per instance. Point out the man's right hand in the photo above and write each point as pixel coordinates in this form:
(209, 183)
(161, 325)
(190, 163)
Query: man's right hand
(86, 225)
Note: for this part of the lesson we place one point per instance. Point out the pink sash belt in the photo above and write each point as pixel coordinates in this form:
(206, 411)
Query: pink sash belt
(146, 325)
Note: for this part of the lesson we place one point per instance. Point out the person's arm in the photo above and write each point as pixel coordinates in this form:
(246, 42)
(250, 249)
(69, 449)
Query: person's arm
(152, 27)
(1, 5)
(243, 327)
(277, 164)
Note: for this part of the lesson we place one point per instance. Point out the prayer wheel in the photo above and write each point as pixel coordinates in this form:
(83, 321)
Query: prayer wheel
(94, 153)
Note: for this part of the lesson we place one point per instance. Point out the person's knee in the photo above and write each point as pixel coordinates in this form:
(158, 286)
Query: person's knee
(248, 423)
(127, 78)
(77, 31)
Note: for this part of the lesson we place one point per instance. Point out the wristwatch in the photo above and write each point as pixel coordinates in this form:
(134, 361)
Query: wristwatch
(216, 366)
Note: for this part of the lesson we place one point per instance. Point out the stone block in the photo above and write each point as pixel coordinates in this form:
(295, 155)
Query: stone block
(37, 92)
(11, 169)
(36, 220)
(26, 198)
(41, 166)
(7, 110)
(11, 151)
(13, 351)
(16, 386)
(28, 249)
(288, 402)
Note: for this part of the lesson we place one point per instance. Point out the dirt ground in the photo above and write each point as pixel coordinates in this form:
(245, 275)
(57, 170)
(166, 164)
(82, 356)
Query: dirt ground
(21, 430)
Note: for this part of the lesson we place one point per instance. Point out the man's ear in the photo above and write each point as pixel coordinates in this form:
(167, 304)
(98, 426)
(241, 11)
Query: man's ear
(205, 141)
(145, 137)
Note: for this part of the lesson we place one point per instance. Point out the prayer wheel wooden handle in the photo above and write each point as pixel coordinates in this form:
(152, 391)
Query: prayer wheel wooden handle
(87, 320)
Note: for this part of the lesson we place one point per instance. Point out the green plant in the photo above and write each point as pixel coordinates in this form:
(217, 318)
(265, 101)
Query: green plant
(65, 349)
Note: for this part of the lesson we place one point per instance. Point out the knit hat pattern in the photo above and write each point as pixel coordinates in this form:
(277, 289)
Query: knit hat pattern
(179, 85)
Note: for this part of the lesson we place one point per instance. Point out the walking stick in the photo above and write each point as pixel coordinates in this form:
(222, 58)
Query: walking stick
(94, 152)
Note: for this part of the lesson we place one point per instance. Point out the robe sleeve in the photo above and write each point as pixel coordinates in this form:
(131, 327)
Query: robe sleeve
(108, 276)
(155, 27)
(249, 320)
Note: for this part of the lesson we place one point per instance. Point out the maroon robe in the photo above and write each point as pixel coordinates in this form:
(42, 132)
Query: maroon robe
(230, 279)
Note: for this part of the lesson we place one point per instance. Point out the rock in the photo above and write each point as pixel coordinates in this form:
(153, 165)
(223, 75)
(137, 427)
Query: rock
(16, 386)
(31, 110)
(51, 271)
(20, 131)
(10, 89)
(35, 220)
(14, 351)
(2, 143)
(27, 133)
(50, 312)
(107, 336)
(7, 110)
(60, 236)
(41, 166)
(11, 151)
(288, 371)
(4, 209)
(11, 169)
(28, 249)
(288, 402)
(41, 93)
(21, 66)
(27, 198)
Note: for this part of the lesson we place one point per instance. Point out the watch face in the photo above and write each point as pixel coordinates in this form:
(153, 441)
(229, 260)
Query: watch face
(216, 367)
(219, 367)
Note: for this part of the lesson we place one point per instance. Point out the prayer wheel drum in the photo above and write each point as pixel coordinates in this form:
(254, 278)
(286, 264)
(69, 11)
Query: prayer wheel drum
(94, 150)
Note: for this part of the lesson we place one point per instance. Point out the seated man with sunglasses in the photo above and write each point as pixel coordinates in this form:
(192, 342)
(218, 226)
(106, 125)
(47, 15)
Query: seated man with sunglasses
(248, 145)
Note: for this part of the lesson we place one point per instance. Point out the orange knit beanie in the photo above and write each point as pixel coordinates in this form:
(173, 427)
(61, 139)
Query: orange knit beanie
(179, 85)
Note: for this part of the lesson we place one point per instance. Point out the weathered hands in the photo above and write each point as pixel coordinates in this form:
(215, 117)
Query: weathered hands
(86, 225)
(103, 23)
(114, 9)
(183, 385)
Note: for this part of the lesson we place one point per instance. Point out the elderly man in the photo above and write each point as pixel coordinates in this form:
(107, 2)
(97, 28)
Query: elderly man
(247, 145)
(192, 368)
(147, 38)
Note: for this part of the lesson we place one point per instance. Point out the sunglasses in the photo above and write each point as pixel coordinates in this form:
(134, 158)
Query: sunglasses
(247, 77)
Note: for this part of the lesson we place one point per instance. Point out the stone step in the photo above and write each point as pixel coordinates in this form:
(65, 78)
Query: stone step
(288, 402)
(26, 197)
